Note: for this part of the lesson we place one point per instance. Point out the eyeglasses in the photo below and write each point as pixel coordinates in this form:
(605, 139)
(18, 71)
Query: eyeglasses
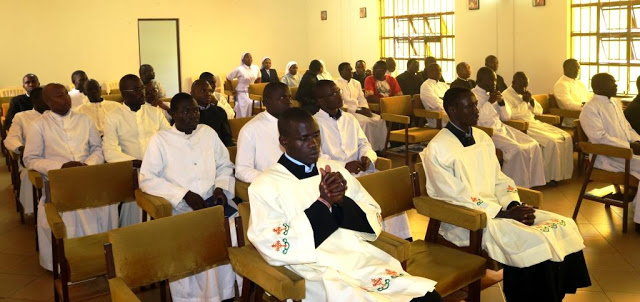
(139, 88)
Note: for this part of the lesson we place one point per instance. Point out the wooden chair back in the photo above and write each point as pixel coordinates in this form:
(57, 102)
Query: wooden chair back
(236, 124)
(400, 105)
(189, 243)
(543, 100)
(392, 189)
(257, 89)
(90, 186)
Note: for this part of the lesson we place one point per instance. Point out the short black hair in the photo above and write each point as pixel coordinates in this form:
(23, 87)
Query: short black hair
(568, 63)
(272, 88)
(483, 72)
(77, 73)
(598, 79)
(411, 61)
(320, 85)
(205, 75)
(293, 114)
(360, 61)
(343, 65)
(489, 58)
(198, 82)
(128, 77)
(315, 66)
(453, 96)
(143, 67)
(36, 93)
(381, 64)
(179, 99)
(460, 66)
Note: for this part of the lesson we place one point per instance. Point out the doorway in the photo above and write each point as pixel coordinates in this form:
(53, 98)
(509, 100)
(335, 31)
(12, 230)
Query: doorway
(159, 44)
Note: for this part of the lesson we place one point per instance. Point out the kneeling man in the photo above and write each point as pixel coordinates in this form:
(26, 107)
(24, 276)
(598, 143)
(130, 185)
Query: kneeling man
(541, 251)
(313, 217)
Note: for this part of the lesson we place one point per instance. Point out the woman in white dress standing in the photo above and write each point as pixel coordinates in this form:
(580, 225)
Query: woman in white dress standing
(246, 74)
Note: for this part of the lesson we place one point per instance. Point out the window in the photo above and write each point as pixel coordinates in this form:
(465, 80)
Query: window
(417, 29)
(605, 37)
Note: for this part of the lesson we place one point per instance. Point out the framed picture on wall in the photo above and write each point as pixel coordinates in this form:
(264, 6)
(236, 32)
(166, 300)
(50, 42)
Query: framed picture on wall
(323, 15)
(474, 4)
(363, 12)
(539, 2)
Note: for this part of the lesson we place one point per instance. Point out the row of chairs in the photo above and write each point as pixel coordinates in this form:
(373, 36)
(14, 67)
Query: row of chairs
(396, 190)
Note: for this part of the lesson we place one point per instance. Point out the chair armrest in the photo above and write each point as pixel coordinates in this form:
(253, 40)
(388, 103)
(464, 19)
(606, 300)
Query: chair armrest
(383, 164)
(606, 150)
(155, 206)
(374, 107)
(255, 97)
(396, 118)
(487, 130)
(467, 218)
(58, 229)
(518, 124)
(565, 112)
(120, 292)
(428, 113)
(242, 190)
(36, 179)
(276, 280)
(395, 246)
(548, 118)
(530, 197)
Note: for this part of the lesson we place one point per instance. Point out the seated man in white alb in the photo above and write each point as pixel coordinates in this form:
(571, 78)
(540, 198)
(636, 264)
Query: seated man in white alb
(17, 137)
(189, 166)
(97, 108)
(59, 139)
(604, 122)
(78, 97)
(373, 126)
(541, 252)
(557, 145)
(311, 216)
(258, 147)
(432, 91)
(569, 91)
(127, 131)
(344, 142)
(522, 155)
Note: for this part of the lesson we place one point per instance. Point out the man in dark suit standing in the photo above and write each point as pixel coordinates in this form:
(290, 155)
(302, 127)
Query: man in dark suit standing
(492, 62)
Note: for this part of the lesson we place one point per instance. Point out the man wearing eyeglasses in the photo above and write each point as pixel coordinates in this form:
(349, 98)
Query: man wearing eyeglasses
(127, 131)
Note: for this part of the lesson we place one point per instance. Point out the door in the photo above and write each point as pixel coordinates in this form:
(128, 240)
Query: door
(159, 41)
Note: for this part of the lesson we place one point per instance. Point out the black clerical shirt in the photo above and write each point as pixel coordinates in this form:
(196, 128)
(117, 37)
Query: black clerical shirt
(216, 118)
(632, 113)
(466, 139)
(17, 104)
(469, 83)
(410, 82)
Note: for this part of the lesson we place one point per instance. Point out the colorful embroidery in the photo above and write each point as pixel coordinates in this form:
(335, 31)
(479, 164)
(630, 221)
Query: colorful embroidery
(392, 274)
(279, 229)
(284, 246)
(511, 189)
(478, 201)
(546, 226)
(379, 284)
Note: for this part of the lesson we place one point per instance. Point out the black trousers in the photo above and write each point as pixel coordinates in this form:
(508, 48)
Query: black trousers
(429, 297)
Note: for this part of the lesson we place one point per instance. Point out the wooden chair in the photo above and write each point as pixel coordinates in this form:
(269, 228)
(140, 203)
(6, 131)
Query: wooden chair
(81, 258)
(37, 184)
(236, 124)
(398, 110)
(16, 181)
(422, 113)
(475, 221)
(452, 269)
(543, 100)
(113, 97)
(3, 131)
(114, 91)
(614, 197)
(137, 256)
(562, 113)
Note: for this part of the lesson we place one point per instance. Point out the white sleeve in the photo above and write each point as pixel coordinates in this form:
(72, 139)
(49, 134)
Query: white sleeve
(564, 97)
(34, 152)
(503, 111)
(362, 101)
(15, 136)
(151, 175)
(95, 146)
(111, 143)
(592, 123)
(246, 157)
(232, 75)
(429, 98)
(537, 108)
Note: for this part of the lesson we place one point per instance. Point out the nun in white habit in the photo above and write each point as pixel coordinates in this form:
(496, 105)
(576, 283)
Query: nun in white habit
(246, 74)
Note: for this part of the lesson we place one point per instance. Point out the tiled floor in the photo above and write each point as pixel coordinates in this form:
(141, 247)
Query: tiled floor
(613, 258)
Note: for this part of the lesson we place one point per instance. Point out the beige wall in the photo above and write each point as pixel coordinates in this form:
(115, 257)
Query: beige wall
(214, 33)
(101, 37)
(344, 36)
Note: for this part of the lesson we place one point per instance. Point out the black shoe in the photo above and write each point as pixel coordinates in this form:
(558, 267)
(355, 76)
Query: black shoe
(552, 184)
(637, 227)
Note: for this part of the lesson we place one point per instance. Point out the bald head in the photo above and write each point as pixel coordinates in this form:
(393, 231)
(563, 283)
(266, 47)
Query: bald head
(434, 72)
(147, 74)
(571, 68)
(463, 69)
(57, 98)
